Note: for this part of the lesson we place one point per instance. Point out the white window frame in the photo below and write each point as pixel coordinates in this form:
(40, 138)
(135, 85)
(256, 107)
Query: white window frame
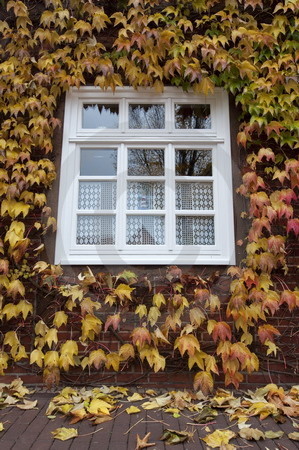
(217, 138)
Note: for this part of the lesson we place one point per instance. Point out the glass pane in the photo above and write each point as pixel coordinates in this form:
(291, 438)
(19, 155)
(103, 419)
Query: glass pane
(145, 195)
(145, 230)
(100, 116)
(146, 116)
(96, 230)
(97, 195)
(193, 163)
(192, 230)
(192, 116)
(146, 162)
(98, 161)
(194, 196)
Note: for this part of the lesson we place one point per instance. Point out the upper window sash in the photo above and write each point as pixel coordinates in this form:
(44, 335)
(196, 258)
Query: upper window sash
(126, 97)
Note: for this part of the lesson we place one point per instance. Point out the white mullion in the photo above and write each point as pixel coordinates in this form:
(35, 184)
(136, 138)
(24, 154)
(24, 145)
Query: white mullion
(170, 228)
(121, 205)
(75, 194)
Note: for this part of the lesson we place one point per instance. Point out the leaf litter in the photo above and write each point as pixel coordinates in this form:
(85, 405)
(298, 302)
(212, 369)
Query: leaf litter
(105, 403)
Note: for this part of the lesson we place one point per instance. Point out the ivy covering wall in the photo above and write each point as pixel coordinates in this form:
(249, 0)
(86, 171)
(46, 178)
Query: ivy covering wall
(248, 47)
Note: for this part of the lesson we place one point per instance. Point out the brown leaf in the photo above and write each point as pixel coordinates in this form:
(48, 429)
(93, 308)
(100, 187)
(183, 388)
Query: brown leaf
(143, 443)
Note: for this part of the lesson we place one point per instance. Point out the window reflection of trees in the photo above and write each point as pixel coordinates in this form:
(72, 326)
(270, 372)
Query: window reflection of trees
(100, 115)
(146, 162)
(192, 116)
(146, 116)
(193, 163)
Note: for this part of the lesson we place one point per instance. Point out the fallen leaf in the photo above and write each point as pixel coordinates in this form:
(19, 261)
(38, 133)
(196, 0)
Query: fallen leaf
(206, 415)
(103, 419)
(219, 438)
(294, 436)
(251, 434)
(135, 397)
(173, 437)
(273, 434)
(1, 426)
(27, 404)
(142, 443)
(63, 434)
(133, 410)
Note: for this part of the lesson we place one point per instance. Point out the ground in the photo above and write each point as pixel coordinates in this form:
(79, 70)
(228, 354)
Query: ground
(31, 429)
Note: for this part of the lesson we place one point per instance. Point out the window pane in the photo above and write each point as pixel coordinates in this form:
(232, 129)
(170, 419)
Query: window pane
(97, 195)
(146, 116)
(145, 195)
(192, 230)
(146, 162)
(98, 161)
(192, 116)
(100, 116)
(96, 230)
(193, 163)
(194, 196)
(145, 230)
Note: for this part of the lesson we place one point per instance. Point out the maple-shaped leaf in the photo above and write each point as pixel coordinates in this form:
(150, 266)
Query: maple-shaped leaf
(97, 358)
(112, 360)
(203, 381)
(219, 330)
(91, 326)
(51, 336)
(290, 298)
(267, 332)
(158, 300)
(187, 343)
(132, 410)
(98, 407)
(219, 438)
(128, 276)
(112, 321)
(51, 359)
(126, 351)
(123, 291)
(60, 318)
(16, 288)
(196, 317)
(173, 437)
(143, 443)
(251, 434)
(37, 356)
(141, 336)
(141, 310)
(198, 359)
(173, 273)
(153, 315)
(234, 378)
(24, 307)
(201, 295)
(293, 225)
(63, 433)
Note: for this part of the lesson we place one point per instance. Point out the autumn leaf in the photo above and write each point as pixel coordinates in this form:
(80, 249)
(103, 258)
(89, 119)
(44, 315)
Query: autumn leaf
(63, 434)
(143, 443)
(112, 321)
(219, 330)
(132, 410)
(173, 437)
(203, 381)
(123, 291)
(219, 438)
(251, 434)
(273, 434)
(294, 436)
(187, 343)
(141, 336)
(267, 332)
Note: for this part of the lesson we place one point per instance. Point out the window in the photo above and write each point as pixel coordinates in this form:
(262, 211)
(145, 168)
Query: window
(145, 179)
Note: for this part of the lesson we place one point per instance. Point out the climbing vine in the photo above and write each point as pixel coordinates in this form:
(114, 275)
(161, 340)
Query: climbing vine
(248, 47)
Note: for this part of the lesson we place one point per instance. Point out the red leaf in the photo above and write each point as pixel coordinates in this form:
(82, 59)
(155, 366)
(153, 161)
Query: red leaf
(112, 320)
(267, 332)
(140, 336)
(290, 298)
(293, 225)
(222, 331)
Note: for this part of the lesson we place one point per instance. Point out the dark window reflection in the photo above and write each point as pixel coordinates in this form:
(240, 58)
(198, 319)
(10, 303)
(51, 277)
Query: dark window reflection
(193, 163)
(100, 116)
(146, 162)
(192, 116)
(146, 116)
(98, 161)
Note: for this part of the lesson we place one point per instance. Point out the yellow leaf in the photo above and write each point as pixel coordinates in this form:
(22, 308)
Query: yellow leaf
(25, 308)
(15, 233)
(153, 315)
(11, 339)
(1, 426)
(133, 410)
(97, 358)
(113, 360)
(204, 381)
(126, 351)
(51, 359)
(16, 287)
(60, 318)
(98, 407)
(141, 310)
(251, 434)
(219, 438)
(91, 326)
(10, 311)
(158, 300)
(123, 291)
(187, 343)
(51, 337)
(63, 434)
(135, 397)
(37, 356)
